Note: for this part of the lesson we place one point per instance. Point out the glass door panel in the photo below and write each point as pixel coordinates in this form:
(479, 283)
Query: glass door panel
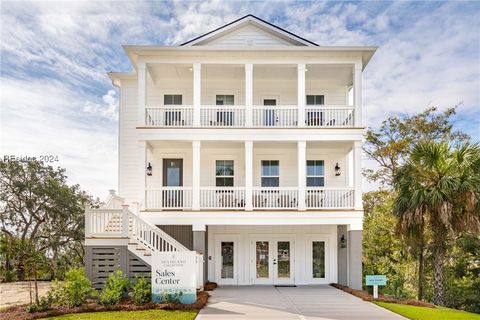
(262, 264)
(227, 267)
(318, 259)
(283, 259)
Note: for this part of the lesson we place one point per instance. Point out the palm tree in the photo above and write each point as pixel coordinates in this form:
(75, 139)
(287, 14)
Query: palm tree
(439, 188)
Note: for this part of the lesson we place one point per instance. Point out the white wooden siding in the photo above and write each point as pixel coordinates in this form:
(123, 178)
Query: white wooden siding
(248, 36)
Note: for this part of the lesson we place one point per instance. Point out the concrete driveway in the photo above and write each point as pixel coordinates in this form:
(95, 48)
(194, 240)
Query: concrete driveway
(304, 302)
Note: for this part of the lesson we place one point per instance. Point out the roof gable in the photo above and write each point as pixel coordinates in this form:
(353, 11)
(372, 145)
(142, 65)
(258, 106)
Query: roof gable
(249, 31)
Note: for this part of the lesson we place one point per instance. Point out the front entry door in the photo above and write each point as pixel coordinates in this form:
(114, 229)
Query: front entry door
(172, 179)
(272, 261)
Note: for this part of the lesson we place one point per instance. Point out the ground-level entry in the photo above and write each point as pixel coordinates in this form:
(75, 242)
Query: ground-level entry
(282, 255)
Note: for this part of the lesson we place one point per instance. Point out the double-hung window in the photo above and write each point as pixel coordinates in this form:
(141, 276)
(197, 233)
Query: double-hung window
(270, 173)
(224, 173)
(315, 117)
(224, 117)
(315, 173)
(173, 117)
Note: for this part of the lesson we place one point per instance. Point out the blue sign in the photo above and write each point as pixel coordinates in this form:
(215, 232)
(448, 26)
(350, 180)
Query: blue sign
(376, 280)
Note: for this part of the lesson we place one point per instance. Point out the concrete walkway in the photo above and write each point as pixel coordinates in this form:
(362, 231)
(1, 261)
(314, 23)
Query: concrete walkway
(304, 302)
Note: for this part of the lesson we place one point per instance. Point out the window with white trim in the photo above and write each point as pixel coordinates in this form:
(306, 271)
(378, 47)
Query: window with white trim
(172, 99)
(270, 173)
(224, 173)
(315, 173)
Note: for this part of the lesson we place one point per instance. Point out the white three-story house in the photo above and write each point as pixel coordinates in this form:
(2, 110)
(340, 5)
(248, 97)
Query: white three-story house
(245, 145)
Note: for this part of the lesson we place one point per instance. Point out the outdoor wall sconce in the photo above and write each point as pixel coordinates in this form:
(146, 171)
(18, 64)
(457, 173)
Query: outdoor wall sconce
(343, 242)
(149, 169)
(337, 170)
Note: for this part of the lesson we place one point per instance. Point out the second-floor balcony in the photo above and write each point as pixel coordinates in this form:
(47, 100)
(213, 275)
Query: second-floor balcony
(249, 96)
(282, 116)
(234, 198)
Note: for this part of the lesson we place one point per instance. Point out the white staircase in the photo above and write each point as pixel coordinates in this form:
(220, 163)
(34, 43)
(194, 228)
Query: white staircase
(114, 221)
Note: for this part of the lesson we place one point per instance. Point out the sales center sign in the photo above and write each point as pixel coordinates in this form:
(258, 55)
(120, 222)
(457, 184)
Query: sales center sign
(174, 276)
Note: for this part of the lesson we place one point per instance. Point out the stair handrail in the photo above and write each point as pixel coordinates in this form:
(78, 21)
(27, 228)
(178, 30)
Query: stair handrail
(150, 243)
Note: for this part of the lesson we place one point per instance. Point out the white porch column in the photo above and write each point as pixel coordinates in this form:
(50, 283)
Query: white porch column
(196, 175)
(302, 169)
(142, 175)
(357, 93)
(357, 174)
(301, 94)
(248, 175)
(248, 94)
(197, 91)
(142, 92)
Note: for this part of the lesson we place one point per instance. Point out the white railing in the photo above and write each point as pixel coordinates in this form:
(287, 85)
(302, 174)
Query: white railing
(169, 116)
(103, 222)
(329, 198)
(222, 198)
(222, 116)
(275, 198)
(151, 237)
(329, 116)
(169, 198)
(275, 116)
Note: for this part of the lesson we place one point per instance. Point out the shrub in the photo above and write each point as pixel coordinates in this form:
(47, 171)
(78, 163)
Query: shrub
(172, 298)
(142, 291)
(43, 304)
(74, 290)
(115, 288)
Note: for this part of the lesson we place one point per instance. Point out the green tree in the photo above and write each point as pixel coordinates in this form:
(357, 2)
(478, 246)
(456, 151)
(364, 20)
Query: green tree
(390, 146)
(37, 205)
(439, 185)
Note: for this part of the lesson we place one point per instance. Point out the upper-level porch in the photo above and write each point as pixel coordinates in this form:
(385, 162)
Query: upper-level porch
(247, 176)
(249, 95)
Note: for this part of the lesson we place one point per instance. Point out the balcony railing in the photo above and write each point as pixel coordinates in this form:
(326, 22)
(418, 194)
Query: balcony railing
(169, 116)
(222, 116)
(234, 198)
(329, 198)
(222, 198)
(281, 116)
(329, 116)
(275, 116)
(275, 198)
(175, 198)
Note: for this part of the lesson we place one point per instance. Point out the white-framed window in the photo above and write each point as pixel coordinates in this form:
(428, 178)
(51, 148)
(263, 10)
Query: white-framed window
(270, 173)
(224, 100)
(172, 99)
(315, 173)
(315, 100)
(224, 173)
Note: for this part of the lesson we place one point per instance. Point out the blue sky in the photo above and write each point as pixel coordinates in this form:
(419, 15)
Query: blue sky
(56, 98)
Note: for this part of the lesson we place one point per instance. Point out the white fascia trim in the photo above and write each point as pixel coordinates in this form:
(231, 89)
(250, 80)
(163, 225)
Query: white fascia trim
(251, 134)
(350, 218)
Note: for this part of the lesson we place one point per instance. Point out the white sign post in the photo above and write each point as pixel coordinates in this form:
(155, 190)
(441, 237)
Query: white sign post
(174, 276)
(375, 281)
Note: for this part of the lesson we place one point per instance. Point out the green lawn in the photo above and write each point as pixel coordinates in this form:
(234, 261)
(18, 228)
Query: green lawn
(423, 313)
(132, 315)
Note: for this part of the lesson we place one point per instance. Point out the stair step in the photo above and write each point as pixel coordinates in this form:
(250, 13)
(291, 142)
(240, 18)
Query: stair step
(147, 254)
(140, 248)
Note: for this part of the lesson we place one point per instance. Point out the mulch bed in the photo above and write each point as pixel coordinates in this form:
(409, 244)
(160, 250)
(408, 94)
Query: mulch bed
(18, 312)
(210, 286)
(368, 297)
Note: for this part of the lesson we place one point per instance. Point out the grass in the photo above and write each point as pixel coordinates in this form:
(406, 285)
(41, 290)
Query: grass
(132, 315)
(424, 313)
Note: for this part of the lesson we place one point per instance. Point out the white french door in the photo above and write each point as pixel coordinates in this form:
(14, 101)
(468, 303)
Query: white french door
(272, 260)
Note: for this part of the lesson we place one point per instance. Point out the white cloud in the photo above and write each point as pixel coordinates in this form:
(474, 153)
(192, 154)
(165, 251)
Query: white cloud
(57, 98)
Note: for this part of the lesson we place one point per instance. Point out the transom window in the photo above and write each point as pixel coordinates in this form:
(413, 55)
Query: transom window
(172, 99)
(314, 100)
(315, 173)
(224, 173)
(225, 100)
(270, 173)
